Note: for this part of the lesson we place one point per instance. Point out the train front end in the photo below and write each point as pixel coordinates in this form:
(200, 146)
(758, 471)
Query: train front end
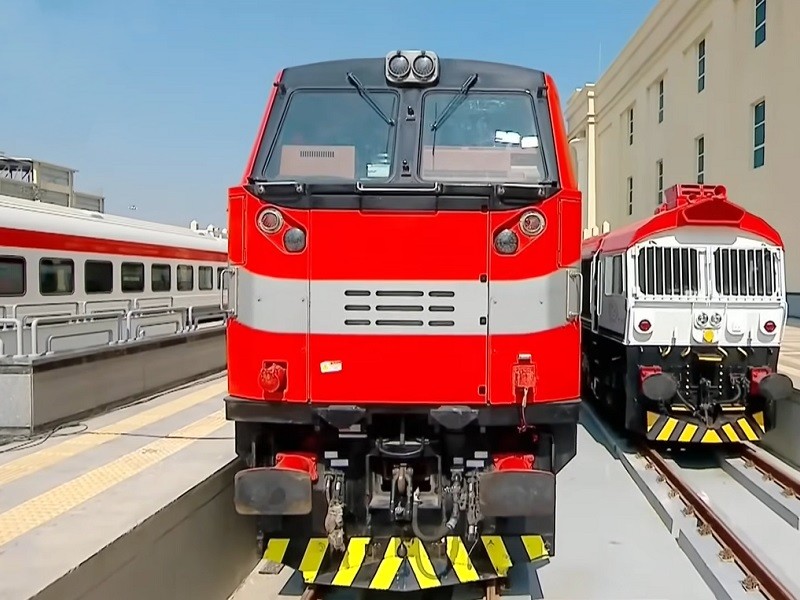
(404, 351)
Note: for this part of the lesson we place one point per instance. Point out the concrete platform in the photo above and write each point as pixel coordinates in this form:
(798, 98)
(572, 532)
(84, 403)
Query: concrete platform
(137, 503)
(783, 441)
(41, 392)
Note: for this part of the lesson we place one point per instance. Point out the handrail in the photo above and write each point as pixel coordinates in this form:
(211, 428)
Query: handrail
(144, 312)
(187, 314)
(57, 320)
(16, 324)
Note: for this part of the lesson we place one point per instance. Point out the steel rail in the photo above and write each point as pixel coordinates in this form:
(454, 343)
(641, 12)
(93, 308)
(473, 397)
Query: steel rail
(491, 591)
(790, 484)
(768, 583)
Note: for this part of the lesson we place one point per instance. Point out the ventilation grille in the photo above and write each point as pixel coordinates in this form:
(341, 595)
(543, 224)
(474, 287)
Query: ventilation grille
(745, 272)
(398, 308)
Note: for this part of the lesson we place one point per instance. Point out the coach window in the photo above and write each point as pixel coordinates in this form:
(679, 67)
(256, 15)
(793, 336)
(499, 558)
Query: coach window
(160, 278)
(205, 278)
(56, 276)
(132, 277)
(98, 276)
(12, 276)
(185, 278)
(220, 273)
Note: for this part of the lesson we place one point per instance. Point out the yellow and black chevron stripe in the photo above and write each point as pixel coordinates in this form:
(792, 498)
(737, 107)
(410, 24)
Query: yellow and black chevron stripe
(373, 563)
(665, 428)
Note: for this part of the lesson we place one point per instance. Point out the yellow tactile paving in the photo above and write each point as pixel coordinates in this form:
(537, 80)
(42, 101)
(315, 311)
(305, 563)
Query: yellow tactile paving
(30, 463)
(53, 503)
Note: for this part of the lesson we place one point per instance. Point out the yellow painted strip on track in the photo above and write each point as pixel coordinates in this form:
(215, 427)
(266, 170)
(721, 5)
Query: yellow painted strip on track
(36, 461)
(54, 503)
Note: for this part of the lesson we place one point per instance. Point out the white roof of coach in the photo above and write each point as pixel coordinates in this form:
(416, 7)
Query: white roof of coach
(32, 216)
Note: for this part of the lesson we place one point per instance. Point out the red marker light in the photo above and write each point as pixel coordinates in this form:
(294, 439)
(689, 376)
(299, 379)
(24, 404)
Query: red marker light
(644, 325)
(769, 326)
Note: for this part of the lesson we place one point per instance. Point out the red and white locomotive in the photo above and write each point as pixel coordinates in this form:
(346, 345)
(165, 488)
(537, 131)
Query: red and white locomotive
(683, 315)
(404, 354)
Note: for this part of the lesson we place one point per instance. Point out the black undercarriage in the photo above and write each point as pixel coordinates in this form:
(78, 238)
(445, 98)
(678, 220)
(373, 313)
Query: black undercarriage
(707, 386)
(415, 473)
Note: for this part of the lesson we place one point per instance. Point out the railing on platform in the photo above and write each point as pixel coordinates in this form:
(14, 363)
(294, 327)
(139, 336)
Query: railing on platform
(41, 335)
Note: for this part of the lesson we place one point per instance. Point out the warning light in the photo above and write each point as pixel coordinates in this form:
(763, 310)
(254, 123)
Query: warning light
(769, 326)
(644, 325)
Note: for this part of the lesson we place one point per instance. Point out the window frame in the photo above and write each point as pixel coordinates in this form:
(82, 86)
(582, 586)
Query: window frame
(759, 27)
(700, 158)
(68, 261)
(16, 258)
(95, 261)
(630, 194)
(630, 126)
(200, 270)
(661, 100)
(153, 279)
(178, 278)
(660, 181)
(701, 65)
(759, 149)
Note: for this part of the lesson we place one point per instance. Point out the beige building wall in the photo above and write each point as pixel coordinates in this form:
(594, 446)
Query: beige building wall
(679, 43)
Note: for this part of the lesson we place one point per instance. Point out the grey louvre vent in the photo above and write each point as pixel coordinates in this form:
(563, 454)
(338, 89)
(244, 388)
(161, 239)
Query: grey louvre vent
(394, 312)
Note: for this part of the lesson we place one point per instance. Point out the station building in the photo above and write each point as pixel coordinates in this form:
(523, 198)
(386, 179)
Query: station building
(705, 91)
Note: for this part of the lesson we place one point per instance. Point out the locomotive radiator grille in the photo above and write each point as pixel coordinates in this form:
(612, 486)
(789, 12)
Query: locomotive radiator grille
(399, 308)
(669, 271)
(745, 272)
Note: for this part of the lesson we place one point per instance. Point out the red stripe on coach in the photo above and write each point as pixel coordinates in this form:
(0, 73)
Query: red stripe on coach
(41, 240)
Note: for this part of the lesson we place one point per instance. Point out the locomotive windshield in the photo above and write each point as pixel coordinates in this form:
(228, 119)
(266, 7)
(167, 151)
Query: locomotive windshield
(480, 137)
(335, 136)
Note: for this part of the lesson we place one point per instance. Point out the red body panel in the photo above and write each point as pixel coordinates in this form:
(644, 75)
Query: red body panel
(686, 205)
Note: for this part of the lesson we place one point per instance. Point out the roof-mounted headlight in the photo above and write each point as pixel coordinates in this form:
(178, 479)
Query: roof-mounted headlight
(412, 67)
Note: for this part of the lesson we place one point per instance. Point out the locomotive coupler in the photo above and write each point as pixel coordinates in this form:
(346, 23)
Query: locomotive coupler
(400, 496)
(704, 401)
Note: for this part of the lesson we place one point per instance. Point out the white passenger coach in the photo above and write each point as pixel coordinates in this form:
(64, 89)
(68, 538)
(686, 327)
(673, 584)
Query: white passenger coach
(72, 278)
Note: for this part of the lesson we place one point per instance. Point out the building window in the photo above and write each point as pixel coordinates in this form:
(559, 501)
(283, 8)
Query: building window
(661, 101)
(759, 132)
(761, 22)
(630, 195)
(660, 180)
(701, 66)
(630, 126)
(701, 159)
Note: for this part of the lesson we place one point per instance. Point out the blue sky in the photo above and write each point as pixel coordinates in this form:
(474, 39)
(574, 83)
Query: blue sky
(156, 102)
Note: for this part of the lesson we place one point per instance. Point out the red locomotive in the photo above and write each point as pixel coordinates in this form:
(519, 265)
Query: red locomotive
(404, 355)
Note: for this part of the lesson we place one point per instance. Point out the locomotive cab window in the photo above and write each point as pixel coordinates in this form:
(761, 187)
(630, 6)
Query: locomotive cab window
(334, 136)
(185, 278)
(56, 276)
(132, 277)
(160, 278)
(98, 276)
(12, 276)
(614, 278)
(486, 137)
(586, 275)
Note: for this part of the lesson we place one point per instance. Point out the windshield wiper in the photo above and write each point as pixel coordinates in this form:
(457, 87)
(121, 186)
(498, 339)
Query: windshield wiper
(362, 91)
(451, 106)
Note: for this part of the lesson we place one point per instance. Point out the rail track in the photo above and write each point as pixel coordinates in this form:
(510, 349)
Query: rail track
(758, 577)
(755, 459)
